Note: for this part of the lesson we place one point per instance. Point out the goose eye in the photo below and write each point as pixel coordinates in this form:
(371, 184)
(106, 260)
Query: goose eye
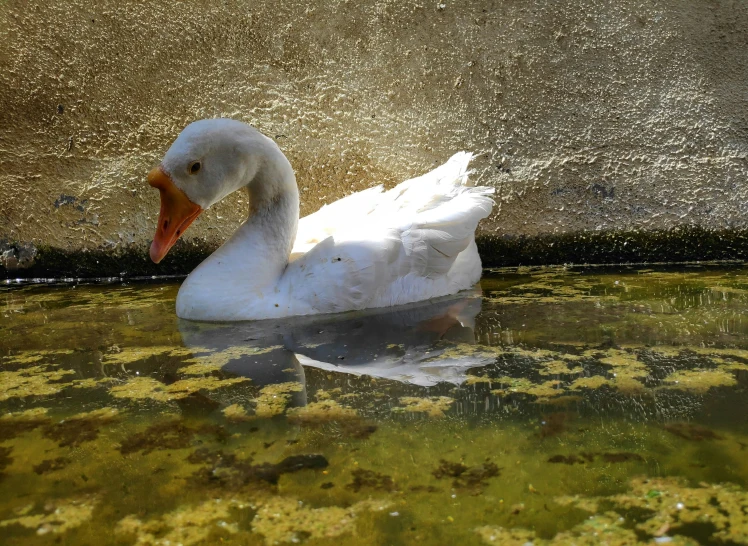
(195, 167)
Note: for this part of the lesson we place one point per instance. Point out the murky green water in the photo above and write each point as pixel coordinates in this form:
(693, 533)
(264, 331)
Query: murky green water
(570, 407)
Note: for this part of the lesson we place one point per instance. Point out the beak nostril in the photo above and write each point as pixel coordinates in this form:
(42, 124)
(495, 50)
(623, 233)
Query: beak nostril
(166, 224)
(179, 232)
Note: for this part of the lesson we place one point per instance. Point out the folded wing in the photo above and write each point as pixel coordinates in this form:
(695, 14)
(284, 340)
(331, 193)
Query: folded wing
(378, 247)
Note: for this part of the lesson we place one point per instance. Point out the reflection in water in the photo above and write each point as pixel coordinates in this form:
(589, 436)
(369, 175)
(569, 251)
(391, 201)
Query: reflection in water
(409, 343)
(553, 406)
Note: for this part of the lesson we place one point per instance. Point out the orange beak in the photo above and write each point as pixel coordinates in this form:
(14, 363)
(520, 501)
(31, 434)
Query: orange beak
(177, 213)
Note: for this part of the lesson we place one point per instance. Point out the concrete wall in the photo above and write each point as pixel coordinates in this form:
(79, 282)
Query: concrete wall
(588, 115)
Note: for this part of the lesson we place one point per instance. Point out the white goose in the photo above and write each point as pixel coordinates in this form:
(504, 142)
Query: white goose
(371, 249)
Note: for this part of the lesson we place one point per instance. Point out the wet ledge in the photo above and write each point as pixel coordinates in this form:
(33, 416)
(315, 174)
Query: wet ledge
(24, 261)
(687, 244)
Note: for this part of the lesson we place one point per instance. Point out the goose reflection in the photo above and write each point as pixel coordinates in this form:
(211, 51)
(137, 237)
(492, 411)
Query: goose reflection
(409, 344)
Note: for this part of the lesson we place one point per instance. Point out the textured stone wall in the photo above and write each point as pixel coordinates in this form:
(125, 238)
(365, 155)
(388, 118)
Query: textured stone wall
(588, 115)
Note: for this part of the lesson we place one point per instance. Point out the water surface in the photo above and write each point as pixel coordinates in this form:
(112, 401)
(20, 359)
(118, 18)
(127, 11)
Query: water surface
(551, 405)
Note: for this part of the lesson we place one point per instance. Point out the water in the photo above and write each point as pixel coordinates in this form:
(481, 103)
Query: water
(550, 406)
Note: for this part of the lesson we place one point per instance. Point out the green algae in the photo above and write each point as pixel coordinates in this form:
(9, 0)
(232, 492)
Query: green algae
(236, 412)
(322, 411)
(700, 380)
(434, 406)
(33, 381)
(204, 364)
(274, 398)
(57, 517)
(281, 519)
(188, 525)
(147, 388)
(581, 387)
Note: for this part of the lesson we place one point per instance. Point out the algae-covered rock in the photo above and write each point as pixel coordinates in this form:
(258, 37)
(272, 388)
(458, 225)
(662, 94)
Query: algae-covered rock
(464, 477)
(672, 504)
(475, 379)
(583, 503)
(593, 382)
(21, 358)
(691, 431)
(543, 391)
(5, 458)
(492, 534)
(656, 510)
(129, 355)
(559, 367)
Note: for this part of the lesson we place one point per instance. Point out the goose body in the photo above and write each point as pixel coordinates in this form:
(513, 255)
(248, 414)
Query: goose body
(374, 248)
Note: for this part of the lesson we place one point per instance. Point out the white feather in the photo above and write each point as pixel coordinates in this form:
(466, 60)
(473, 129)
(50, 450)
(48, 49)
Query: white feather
(394, 247)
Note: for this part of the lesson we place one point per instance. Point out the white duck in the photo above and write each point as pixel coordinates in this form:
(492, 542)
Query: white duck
(374, 248)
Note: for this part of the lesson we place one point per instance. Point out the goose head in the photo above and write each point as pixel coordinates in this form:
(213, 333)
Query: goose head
(209, 160)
